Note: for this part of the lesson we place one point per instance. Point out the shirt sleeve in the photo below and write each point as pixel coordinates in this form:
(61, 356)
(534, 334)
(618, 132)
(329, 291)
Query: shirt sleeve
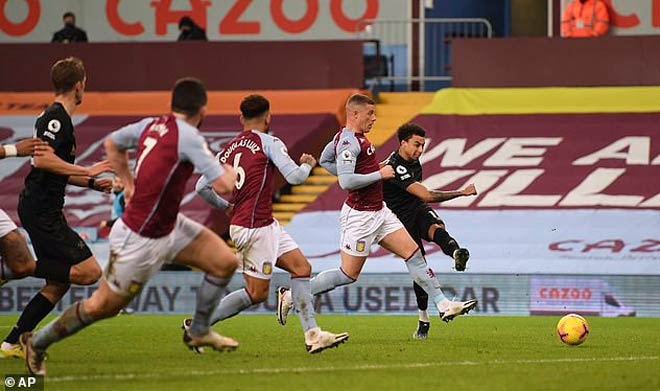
(205, 190)
(276, 151)
(348, 150)
(327, 160)
(193, 148)
(53, 130)
(402, 176)
(128, 136)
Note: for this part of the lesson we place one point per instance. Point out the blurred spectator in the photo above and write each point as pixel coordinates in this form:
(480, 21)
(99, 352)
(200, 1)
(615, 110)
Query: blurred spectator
(190, 31)
(585, 18)
(70, 33)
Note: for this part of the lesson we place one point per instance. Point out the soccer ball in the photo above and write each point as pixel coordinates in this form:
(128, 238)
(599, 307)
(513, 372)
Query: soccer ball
(573, 329)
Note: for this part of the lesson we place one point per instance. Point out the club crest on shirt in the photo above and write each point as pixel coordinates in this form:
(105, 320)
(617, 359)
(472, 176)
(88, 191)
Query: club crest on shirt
(360, 245)
(267, 269)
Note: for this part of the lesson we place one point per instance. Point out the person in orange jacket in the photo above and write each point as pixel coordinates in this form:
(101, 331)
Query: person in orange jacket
(585, 18)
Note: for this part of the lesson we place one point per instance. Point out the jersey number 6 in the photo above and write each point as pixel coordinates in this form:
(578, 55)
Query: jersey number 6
(240, 172)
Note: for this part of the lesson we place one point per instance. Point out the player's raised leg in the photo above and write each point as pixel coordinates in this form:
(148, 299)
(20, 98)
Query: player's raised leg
(438, 234)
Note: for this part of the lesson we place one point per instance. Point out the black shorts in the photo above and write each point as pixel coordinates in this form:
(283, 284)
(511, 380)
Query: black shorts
(418, 226)
(52, 238)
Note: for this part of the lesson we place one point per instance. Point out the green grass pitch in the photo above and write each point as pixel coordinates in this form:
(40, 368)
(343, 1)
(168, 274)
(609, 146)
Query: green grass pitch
(145, 352)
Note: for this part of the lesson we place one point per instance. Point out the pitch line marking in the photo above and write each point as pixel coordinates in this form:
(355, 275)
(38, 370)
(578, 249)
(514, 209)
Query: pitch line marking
(259, 371)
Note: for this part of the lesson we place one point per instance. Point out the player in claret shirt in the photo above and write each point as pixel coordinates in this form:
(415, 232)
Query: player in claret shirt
(151, 231)
(408, 198)
(365, 219)
(261, 242)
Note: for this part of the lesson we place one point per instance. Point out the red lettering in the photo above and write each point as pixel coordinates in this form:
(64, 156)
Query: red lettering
(351, 25)
(616, 245)
(557, 245)
(231, 25)
(655, 13)
(618, 20)
(564, 293)
(294, 26)
(21, 28)
(117, 23)
(543, 293)
(575, 293)
(587, 294)
(554, 293)
(648, 247)
(165, 16)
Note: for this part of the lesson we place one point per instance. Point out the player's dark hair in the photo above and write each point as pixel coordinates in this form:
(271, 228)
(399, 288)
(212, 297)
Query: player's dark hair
(188, 96)
(360, 99)
(69, 14)
(254, 106)
(406, 131)
(66, 73)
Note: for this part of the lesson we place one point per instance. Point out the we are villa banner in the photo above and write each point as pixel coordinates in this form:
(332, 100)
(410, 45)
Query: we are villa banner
(568, 181)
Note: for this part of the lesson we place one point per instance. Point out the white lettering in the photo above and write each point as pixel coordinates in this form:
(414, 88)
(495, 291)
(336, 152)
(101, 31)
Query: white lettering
(506, 194)
(653, 202)
(589, 191)
(638, 152)
(245, 143)
(511, 152)
(454, 152)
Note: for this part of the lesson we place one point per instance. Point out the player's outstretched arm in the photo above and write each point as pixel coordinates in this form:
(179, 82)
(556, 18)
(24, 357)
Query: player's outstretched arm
(46, 159)
(103, 184)
(25, 147)
(426, 195)
(276, 151)
(347, 153)
(327, 159)
(205, 190)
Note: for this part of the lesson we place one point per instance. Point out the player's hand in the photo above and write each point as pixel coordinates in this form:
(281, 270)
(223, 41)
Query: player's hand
(307, 158)
(387, 172)
(99, 168)
(103, 184)
(28, 146)
(470, 190)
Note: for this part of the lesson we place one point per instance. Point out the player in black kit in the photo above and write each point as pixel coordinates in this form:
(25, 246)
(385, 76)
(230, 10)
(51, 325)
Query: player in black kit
(408, 199)
(63, 257)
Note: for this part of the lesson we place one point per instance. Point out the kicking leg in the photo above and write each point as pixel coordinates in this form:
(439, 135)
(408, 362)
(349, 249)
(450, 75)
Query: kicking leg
(449, 245)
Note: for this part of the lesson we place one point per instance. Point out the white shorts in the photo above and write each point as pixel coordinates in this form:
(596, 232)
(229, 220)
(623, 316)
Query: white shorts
(6, 224)
(259, 248)
(134, 258)
(360, 229)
